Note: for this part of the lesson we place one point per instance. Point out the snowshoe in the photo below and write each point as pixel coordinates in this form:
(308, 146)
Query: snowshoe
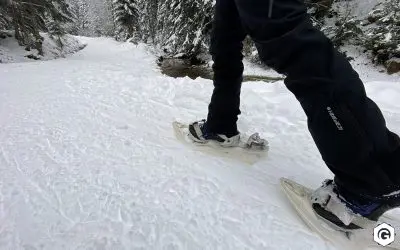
(248, 149)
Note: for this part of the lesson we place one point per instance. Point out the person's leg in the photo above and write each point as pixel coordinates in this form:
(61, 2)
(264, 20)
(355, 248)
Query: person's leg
(347, 126)
(226, 50)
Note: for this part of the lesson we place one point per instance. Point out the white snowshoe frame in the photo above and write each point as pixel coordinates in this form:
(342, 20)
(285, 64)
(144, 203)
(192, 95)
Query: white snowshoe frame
(249, 149)
(300, 198)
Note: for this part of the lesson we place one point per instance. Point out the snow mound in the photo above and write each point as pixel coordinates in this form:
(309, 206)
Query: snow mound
(12, 52)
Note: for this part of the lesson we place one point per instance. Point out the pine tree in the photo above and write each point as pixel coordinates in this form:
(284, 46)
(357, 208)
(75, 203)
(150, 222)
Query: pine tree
(151, 19)
(346, 26)
(110, 26)
(4, 16)
(57, 15)
(126, 17)
(80, 14)
(30, 18)
(383, 36)
(185, 26)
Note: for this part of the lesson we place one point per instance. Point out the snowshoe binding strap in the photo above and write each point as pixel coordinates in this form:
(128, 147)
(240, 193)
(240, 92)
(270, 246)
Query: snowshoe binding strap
(256, 142)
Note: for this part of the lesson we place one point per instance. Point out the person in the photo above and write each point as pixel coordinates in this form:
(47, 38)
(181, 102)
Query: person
(347, 126)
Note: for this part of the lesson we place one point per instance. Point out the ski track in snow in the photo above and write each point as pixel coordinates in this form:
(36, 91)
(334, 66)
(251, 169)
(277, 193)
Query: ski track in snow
(88, 159)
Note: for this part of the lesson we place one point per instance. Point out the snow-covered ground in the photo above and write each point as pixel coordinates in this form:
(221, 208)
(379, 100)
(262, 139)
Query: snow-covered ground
(88, 158)
(11, 51)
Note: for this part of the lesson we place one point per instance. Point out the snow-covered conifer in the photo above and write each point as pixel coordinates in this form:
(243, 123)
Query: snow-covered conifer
(126, 17)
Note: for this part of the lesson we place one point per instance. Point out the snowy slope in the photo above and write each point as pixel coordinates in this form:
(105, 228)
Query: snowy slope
(11, 51)
(88, 159)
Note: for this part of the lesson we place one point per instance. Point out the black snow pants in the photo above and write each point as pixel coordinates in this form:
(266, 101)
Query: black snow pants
(347, 127)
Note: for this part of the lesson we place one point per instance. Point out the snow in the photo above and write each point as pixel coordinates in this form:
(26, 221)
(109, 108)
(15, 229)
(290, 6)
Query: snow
(361, 8)
(251, 68)
(11, 51)
(363, 64)
(388, 37)
(88, 158)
